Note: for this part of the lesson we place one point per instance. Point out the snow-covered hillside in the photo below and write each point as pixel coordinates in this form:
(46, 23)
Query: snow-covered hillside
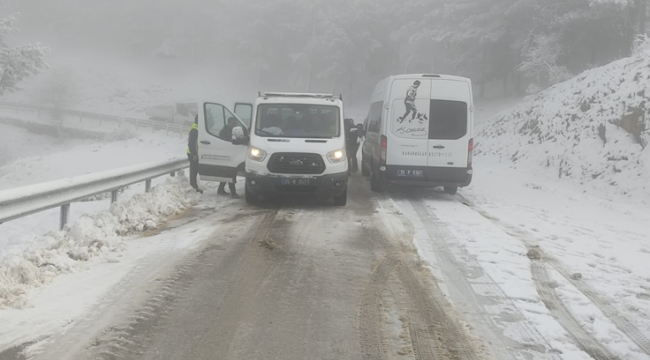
(592, 129)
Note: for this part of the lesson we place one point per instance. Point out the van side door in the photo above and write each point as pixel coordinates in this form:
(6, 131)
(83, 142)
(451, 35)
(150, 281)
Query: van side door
(219, 158)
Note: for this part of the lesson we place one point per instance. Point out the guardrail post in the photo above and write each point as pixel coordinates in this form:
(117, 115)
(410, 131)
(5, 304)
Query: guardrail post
(63, 220)
(114, 196)
(147, 186)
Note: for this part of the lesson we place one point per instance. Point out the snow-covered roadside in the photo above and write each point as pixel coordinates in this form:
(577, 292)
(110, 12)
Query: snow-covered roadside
(16, 143)
(607, 242)
(101, 236)
(489, 274)
(47, 159)
(484, 273)
(34, 158)
(81, 296)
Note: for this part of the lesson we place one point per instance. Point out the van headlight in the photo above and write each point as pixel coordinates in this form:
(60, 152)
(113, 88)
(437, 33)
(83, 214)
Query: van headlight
(256, 154)
(337, 156)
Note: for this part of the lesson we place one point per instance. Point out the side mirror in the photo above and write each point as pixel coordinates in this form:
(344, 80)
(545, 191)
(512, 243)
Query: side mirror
(241, 141)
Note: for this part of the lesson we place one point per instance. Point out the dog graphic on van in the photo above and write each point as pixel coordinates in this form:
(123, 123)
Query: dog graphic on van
(411, 108)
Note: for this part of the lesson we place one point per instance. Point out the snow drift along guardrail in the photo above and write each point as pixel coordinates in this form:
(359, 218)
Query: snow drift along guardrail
(23, 201)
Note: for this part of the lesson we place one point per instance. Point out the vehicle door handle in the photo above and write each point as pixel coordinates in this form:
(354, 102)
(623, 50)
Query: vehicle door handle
(438, 147)
(205, 142)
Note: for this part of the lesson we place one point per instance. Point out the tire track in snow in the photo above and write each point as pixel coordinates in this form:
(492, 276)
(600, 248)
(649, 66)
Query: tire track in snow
(556, 306)
(621, 322)
(455, 271)
(370, 314)
(436, 332)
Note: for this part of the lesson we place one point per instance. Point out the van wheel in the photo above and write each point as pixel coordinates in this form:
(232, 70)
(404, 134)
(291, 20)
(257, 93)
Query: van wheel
(251, 198)
(451, 190)
(364, 168)
(342, 199)
(376, 184)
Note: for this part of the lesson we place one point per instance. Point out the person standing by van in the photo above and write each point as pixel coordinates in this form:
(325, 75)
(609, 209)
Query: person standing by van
(351, 144)
(193, 154)
(227, 134)
(409, 102)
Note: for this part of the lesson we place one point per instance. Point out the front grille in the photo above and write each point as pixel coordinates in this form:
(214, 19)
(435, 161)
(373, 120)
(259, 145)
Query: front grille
(296, 163)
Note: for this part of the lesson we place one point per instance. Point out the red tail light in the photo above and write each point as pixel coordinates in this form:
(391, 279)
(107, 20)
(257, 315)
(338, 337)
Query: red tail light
(384, 148)
(470, 149)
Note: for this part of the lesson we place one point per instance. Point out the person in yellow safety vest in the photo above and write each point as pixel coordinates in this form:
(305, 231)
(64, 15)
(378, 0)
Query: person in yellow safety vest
(193, 153)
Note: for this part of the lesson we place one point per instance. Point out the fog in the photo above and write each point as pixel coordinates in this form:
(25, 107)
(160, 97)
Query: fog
(507, 47)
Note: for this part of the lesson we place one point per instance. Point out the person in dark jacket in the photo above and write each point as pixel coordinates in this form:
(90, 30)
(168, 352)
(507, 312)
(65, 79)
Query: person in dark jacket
(193, 154)
(351, 144)
(226, 134)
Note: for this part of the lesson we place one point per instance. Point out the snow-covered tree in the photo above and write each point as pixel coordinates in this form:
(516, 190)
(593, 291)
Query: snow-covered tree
(541, 61)
(17, 63)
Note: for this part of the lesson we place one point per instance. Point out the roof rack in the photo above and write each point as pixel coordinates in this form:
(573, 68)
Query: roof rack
(300, 95)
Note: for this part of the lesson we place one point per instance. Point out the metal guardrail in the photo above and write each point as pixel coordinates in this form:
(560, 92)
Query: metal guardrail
(23, 201)
(118, 120)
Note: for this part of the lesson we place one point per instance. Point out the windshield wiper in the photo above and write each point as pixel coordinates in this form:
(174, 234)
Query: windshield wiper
(265, 132)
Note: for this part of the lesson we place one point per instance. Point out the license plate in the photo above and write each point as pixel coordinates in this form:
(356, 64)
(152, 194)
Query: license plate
(410, 173)
(296, 182)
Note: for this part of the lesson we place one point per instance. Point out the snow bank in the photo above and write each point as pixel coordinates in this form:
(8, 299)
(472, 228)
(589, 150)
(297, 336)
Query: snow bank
(101, 236)
(36, 159)
(592, 129)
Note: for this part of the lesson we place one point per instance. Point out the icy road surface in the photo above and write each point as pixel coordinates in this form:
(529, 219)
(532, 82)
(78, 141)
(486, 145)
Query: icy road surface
(407, 275)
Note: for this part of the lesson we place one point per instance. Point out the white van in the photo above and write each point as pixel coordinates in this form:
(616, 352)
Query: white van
(419, 132)
(296, 144)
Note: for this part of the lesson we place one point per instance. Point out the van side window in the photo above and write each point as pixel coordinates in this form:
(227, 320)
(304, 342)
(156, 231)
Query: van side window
(374, 118)
(216, 119)
(448, 119)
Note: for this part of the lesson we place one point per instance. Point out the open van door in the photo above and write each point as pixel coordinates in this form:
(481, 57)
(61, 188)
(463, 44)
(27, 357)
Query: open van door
(219, 159)
(245, 112)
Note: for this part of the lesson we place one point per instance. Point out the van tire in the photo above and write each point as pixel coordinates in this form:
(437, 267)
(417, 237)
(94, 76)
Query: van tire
(451, 190)
(375, 182)
(342, 199)
(251, 198)
(364, 168)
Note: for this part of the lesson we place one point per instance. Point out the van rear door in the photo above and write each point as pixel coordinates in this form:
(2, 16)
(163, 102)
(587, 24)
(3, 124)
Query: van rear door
(450, 125)
(407, 127)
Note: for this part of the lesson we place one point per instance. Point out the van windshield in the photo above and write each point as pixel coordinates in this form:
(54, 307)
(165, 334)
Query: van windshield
(298, 121)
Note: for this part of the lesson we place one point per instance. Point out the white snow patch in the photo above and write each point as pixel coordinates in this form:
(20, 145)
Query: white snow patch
(591, 129)
(605, 241)
(100, 235)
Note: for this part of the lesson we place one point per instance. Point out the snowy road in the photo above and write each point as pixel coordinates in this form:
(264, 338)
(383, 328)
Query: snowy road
(294, 282)
(414, 274)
